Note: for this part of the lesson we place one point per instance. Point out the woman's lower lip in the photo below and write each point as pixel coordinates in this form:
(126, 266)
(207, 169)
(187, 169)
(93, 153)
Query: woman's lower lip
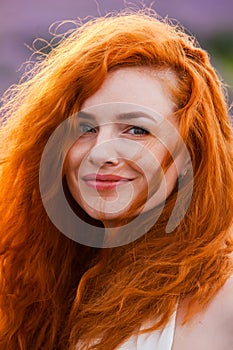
(104, 185)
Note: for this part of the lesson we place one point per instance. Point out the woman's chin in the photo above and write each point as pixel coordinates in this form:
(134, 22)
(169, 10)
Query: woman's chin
(113, 219)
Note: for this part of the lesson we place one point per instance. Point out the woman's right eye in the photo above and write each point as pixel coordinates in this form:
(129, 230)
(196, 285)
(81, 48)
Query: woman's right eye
(86, 128)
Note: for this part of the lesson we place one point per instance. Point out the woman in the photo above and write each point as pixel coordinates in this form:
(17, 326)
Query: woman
(160, 289)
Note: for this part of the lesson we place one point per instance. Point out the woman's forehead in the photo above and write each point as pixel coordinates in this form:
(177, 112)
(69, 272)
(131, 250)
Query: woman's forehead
(135, 85)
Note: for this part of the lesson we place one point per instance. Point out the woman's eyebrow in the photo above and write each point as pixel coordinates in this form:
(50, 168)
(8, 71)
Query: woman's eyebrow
(139, 114)
(125, 116)
(86, 115)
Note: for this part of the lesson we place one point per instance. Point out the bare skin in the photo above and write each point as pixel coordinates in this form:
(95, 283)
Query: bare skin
(212, 329)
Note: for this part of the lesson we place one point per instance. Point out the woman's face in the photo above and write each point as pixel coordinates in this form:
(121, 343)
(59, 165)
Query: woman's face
(114, 170)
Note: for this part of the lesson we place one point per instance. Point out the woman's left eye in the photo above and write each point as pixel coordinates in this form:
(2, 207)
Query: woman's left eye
(136, 130)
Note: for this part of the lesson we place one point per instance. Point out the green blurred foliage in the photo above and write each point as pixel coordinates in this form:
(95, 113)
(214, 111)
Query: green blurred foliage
(220, 48)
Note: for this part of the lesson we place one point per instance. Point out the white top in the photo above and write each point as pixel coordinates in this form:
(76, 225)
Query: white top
(209, 329)
(157, 340)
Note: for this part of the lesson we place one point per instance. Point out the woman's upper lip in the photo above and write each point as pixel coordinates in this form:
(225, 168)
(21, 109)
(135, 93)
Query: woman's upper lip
(104, 177)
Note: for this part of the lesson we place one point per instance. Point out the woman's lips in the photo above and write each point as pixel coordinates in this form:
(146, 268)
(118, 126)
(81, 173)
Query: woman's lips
(104, 181)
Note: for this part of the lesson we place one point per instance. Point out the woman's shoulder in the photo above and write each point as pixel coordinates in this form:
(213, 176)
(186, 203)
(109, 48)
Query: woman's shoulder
(211, 329)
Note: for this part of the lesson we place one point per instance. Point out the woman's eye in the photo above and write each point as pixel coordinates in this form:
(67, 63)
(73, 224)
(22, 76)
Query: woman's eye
(86, 128)
(136, 130)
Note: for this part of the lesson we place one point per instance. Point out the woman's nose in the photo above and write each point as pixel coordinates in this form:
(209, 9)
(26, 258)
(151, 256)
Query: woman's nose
(104, 151)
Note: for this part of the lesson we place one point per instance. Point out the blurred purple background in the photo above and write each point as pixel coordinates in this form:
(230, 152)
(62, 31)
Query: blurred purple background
(22, 21)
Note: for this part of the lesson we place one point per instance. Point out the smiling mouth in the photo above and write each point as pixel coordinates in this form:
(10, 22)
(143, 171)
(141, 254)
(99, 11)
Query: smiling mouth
(104, 182)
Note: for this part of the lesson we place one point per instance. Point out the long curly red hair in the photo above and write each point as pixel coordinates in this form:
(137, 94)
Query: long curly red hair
(54, 292)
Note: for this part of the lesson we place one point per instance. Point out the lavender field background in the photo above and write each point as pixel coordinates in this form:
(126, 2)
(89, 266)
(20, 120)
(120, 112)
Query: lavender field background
(22, 21)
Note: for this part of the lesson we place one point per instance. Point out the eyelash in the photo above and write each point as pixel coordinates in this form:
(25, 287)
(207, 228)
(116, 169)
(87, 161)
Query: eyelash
(144, 131)
(85, 129)
(88, 127)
